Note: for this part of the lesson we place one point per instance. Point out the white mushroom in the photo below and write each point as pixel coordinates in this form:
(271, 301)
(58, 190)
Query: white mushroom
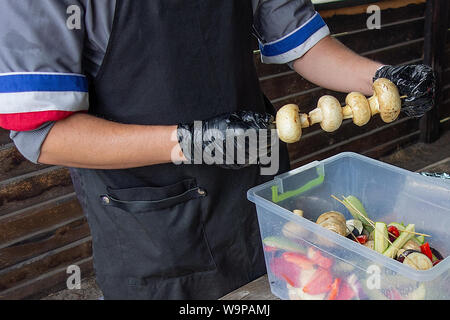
(386, 100)
(328, 113)
(290, 123)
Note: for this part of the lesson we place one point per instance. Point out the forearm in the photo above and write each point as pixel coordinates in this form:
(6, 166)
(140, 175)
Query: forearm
(85, 141)
(331, 65)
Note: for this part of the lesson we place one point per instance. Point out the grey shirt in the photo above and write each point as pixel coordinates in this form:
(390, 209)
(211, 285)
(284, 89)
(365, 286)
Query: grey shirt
(48, 47)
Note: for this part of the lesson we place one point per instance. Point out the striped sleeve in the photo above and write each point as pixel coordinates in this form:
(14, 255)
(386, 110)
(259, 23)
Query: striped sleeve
(28, 100)
(287, 29)
(41, 78)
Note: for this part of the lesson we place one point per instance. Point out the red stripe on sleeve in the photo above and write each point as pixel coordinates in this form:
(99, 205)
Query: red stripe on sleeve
(28, 121)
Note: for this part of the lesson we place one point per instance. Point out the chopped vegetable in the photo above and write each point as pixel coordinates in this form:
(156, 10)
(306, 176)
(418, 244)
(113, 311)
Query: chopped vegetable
(370, 244)
(320, 282)
(393, 233)
(300, 260)
(331, 214)
(334, 225)
(418, 261)
(404, 253)
(346, 292)
(399, 226)
(381, 237)
(333, 221)
(285, 270)
(334, 289)
(436, 262)
(420, 239)
(354, 226)
(362, 239)
(317, 257)
(356, 204)
(391, 252)
(436, 254)
(425, 249)
(411, 244)
(282, 244)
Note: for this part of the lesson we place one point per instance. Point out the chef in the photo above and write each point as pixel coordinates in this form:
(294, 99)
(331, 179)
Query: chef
(117, 99)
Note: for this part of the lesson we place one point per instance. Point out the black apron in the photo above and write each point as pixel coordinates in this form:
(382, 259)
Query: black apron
(168, 231)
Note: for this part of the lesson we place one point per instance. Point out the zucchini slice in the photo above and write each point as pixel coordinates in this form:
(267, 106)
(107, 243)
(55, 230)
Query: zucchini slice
(404, 237)
(418, 261)
(356, 203)
(381, 237)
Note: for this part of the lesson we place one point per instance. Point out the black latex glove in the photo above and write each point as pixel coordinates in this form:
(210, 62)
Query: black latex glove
(210, 135)
(417, 82)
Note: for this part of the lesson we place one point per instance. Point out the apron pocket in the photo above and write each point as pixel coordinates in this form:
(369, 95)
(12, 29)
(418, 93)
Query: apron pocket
(160, 230)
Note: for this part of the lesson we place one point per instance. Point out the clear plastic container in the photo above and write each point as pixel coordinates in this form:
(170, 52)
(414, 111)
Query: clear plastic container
(324, 265)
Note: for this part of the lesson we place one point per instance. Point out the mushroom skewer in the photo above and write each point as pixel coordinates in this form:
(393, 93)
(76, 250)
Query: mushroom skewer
(329, 114)
(386, 101)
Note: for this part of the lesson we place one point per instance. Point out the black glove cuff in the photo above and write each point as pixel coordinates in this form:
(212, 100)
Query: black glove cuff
(184, 137)
(381, 72)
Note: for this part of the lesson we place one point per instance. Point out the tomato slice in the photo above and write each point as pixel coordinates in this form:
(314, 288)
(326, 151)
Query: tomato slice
(298, 259)
(317, 257)
(346, 292)
(362, 239)
(286, 271)
(320, 282)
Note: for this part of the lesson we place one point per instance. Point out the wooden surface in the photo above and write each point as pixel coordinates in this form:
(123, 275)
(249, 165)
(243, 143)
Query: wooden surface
(437, 14)
(260, 288)
(360, 9)
(255, 290)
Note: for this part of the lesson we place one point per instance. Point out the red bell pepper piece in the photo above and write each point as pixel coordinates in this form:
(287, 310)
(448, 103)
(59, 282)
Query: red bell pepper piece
(317, 257)
(286, 271)
(346, 292)
(394, 231)
(298, 259)
(426, 250)
(334, 289)
(320, 282)
(362, 239)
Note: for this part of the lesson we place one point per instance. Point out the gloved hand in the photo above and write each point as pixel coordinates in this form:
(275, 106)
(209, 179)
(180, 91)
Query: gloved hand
(210, 141)
(417, 82)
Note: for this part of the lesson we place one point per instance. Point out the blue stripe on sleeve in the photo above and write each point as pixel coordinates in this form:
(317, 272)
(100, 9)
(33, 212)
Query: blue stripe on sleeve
(13, 83)
(294, 40)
